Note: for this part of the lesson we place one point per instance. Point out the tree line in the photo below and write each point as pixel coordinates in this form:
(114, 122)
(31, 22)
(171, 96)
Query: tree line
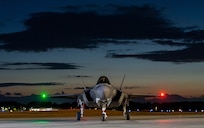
(134, 106)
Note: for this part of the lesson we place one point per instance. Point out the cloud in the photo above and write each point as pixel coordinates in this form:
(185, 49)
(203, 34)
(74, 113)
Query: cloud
(131, 87)
(8, 93)
(35, 66)
(81, 28)
(30, 84)
(192, 53)
(171, 43)
(17, 94)
(78, 76)
(89, 26)
(81, 88)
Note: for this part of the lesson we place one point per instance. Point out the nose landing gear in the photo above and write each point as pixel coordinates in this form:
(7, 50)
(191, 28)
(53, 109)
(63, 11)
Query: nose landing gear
(104, 115)
(126, 110)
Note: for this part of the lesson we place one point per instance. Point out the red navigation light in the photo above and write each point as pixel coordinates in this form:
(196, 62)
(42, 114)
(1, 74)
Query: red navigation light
(162, 94)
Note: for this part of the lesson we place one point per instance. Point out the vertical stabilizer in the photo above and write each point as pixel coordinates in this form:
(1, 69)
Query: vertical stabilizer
(122, 82)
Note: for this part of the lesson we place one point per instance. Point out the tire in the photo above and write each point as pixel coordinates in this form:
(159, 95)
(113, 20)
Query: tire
(78, 116)
(103, 117)
(127, 116)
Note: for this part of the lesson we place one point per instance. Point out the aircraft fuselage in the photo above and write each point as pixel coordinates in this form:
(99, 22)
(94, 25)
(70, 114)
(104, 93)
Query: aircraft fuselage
(103, 94)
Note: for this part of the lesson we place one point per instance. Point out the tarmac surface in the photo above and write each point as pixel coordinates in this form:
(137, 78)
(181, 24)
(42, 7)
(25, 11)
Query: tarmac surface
(187, 121)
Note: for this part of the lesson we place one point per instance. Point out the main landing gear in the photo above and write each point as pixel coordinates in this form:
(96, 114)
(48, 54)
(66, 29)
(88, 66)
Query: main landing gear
(81, 112)
(126, 110)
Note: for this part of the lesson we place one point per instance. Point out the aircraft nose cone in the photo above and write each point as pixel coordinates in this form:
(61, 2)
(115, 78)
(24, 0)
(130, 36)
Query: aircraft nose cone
(103, 92)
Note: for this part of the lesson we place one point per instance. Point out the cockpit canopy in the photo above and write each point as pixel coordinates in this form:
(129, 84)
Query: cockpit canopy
(103, 79)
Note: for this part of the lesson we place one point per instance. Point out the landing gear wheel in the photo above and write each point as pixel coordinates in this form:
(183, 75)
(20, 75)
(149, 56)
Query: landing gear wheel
(78, 116)
(103, 117)
(128, 116)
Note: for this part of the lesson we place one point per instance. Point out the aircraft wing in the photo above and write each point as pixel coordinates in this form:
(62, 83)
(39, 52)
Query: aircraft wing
(67, 96)
(137, 95)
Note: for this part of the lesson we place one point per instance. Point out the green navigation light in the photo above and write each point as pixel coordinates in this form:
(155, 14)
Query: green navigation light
(44, 95)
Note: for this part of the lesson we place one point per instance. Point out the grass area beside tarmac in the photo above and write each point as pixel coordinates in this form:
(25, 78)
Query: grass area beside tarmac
(88, 113)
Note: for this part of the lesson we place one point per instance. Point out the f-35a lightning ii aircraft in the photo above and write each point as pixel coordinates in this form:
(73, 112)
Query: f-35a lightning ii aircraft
(103, 95)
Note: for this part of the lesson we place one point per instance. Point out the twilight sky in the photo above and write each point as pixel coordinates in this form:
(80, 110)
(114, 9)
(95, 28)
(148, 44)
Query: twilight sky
(58, 45)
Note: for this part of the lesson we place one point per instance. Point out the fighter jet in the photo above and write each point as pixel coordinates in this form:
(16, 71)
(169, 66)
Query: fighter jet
(103, 95)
